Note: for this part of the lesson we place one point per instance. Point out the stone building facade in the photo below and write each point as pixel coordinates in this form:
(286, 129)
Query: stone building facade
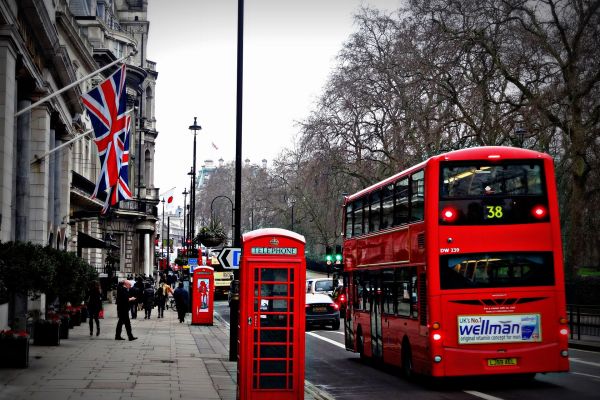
(48, 165)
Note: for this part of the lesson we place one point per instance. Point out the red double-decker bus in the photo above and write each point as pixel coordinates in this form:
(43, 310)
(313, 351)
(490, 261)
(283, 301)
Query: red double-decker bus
(454, 266)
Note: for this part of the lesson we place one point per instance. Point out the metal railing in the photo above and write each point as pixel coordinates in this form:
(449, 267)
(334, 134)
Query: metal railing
(583, 320)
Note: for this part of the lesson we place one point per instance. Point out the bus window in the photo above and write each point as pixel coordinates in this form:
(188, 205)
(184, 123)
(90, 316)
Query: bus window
(348, 222)
(366, 207)
(414, 297)
(401, 208)
(417, 196)
(387, 207)
(406, 296)
(389, 292)
(375, 212)
(497, 270)
(357, 220)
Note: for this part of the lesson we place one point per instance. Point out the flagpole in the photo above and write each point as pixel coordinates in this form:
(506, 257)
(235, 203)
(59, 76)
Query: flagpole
(54, 94)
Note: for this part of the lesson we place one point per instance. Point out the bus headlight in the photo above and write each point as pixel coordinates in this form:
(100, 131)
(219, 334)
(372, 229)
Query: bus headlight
(564, 353)
(437, 359)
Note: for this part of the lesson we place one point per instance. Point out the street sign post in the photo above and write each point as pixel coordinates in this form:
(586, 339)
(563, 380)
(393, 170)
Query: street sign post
(230, 257)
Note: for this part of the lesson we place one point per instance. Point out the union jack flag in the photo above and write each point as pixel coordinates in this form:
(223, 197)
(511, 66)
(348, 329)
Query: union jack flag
(106, 107)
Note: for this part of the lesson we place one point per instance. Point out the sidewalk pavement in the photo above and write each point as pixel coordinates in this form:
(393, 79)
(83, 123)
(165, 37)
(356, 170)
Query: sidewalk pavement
(169, 360)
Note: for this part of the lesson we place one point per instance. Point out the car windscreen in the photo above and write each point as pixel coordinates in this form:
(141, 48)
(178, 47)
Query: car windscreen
(495, 270)
(324, 286)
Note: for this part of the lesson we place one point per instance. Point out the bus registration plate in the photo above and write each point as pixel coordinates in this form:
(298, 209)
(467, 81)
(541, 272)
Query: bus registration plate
(499, 362)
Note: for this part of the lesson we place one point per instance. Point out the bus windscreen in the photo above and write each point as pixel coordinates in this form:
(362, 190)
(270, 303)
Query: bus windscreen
(483, 193)
(496, 270)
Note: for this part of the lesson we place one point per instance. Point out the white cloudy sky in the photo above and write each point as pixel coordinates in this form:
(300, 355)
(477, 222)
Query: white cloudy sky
(289, 51)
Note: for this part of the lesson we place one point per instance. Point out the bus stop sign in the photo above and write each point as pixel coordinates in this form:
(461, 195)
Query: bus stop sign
(230, 257)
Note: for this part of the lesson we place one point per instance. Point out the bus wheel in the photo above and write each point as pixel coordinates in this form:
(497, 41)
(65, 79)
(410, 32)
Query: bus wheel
(407, 363)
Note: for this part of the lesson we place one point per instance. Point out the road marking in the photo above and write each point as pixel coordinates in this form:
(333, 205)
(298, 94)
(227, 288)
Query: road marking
(588, 375)
(326, 340)
(482, 395)
(577, 360)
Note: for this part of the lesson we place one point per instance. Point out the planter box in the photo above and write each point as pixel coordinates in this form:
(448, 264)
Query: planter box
(76, 317)
(64, 326)
(15, 352)
(46, 333)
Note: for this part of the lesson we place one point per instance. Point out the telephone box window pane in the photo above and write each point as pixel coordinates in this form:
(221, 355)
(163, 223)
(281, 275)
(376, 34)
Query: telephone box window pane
(290, 368)
(272, 351)
(274, 274)
(279, 305)
(272, 382)
(255, 290)
(290, 381)
(255, 382)
(255, 336)
(267, 366)
(270, 320)
(278, 336)
(255, 350)
(256, 275)
(292, 275)
(291, 337)
(269, 290)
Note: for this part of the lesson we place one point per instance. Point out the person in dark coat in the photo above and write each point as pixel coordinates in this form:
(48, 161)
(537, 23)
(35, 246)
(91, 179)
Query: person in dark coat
(181, 301)
(136, 291)
(123, 302)
(94, 305)
(148, 300)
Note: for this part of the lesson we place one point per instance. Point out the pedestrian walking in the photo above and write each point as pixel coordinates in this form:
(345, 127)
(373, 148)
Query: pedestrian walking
(161, 298)
(136, 291)
(123, 302)
(181, 301)
(148, 300)
(94, 305)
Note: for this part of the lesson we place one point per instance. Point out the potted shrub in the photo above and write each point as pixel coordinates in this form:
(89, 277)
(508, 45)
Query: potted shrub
(212, 235)
(14, 347)
(46, 332)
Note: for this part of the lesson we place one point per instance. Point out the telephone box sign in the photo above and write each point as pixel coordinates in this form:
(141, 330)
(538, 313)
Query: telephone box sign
(508, 328)
(275, 250)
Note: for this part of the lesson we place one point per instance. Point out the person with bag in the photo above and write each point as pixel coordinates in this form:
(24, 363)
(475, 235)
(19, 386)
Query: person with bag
(148, 300)
(161, 298)
(94, 306)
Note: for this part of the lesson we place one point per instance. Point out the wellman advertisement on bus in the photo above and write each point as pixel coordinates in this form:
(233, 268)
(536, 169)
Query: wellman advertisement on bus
(508, 328)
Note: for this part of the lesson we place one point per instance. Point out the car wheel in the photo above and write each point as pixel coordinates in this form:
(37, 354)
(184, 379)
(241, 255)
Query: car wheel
(336, 325)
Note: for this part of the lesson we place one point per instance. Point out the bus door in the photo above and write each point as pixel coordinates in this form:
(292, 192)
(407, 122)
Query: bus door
(376, 296)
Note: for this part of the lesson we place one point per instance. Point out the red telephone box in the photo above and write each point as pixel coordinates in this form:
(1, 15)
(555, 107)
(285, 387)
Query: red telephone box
(272, 316)
(203, 296)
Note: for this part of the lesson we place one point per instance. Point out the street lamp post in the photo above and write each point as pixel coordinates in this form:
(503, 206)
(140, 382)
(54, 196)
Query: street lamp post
(195, 128)
(168, 241)
(232, 212)
(162, 233)
(184, 193)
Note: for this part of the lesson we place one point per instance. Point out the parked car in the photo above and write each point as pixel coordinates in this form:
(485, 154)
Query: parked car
(320, 285)
(321, 310)
(340, 298)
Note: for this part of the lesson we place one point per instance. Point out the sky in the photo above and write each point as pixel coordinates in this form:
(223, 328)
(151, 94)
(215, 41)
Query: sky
(289, 52)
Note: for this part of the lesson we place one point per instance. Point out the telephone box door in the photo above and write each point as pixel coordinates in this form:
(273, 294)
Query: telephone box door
(272, 316)
(203, 296)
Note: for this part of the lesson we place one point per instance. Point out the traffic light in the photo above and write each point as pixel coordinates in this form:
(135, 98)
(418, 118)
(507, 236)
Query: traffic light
(328, 255)
(338, 254)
